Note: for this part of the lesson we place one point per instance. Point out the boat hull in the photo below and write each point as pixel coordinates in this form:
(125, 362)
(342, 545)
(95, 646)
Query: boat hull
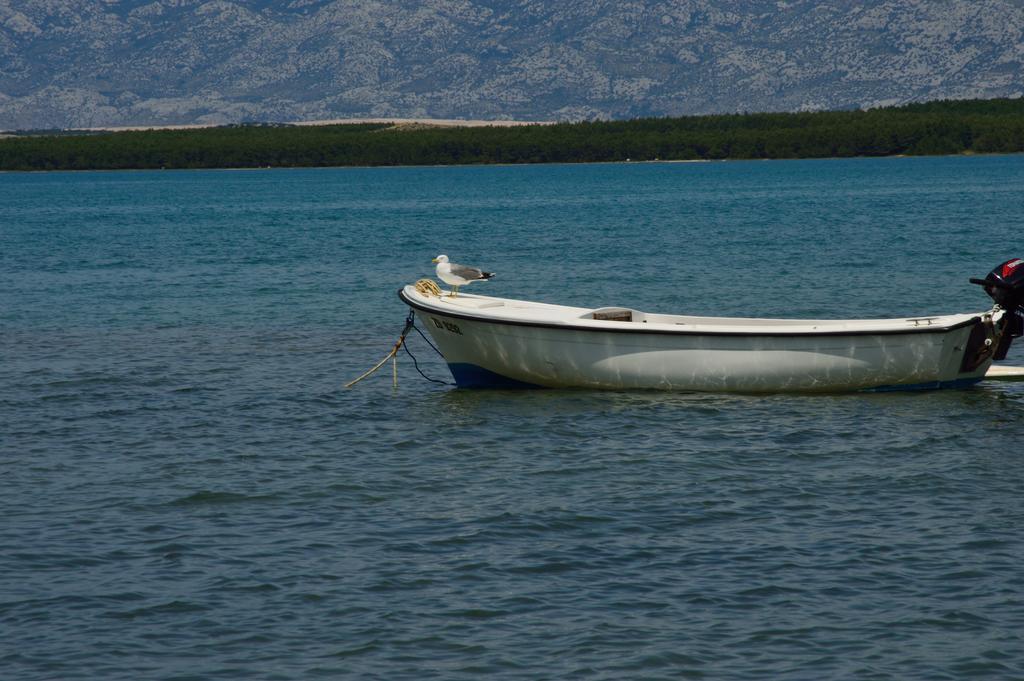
(504, 354)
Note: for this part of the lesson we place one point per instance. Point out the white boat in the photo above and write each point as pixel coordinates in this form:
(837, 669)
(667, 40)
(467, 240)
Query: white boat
(500, 342)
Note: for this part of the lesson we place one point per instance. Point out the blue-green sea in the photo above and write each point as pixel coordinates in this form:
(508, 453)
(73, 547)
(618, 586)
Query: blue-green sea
(188, 492)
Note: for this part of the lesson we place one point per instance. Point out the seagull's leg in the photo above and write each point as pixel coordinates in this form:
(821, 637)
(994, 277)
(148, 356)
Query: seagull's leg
(455, 291)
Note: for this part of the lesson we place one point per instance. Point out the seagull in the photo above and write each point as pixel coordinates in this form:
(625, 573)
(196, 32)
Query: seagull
(458, 275)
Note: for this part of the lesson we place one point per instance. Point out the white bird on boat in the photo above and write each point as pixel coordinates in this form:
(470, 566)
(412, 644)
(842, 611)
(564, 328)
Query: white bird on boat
(458, 275)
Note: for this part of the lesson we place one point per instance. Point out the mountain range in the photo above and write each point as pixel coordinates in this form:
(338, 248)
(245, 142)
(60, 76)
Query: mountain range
(94, 63)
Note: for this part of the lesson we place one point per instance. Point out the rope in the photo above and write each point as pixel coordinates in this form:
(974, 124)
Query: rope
(417, 365)
(424, 337)
(390, 355)
(410, 323)
(427, 287)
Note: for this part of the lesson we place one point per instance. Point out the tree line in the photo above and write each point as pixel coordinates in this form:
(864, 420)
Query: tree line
(931, 128)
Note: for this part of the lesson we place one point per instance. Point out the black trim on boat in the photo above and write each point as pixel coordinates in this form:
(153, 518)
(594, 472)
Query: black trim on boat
(638, 328)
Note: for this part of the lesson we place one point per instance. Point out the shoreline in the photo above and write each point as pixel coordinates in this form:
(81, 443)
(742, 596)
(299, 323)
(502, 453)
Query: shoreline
(517, 165)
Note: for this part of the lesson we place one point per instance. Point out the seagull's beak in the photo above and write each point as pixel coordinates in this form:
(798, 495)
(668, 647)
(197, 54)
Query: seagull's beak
(434, 260)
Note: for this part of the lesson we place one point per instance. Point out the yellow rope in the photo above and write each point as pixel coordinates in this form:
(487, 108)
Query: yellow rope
(427, 287)
(390, 355)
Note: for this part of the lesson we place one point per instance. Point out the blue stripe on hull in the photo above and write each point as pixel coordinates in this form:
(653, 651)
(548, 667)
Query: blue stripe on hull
(472, 376)
(931, 385)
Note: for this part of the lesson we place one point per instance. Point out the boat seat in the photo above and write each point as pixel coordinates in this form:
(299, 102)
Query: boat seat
(614, 314)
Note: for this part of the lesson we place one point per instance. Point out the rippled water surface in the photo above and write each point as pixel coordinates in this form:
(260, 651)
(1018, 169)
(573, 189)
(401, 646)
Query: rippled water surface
(189, 493)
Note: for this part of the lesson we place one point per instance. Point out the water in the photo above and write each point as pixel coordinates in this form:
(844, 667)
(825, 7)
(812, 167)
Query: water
(188, 493)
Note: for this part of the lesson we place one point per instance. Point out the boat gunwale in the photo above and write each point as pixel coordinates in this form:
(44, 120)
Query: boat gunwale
(416, 305)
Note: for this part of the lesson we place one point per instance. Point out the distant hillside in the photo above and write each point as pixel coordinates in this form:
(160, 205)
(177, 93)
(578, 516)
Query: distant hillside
(82, 63)
(949, 127)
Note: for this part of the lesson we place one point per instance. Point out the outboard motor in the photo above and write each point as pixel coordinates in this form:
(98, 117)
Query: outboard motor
(1005, 284)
